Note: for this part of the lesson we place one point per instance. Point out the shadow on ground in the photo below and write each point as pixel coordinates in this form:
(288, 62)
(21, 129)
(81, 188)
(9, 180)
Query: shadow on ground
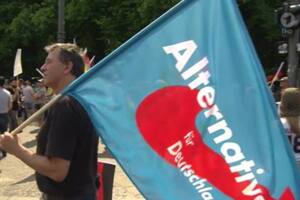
(35, 130)
(105, 154)
(30, 144)
(25, 180)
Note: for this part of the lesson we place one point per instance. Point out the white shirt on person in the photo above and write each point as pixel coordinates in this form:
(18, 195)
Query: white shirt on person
(5, 101)
(28, 94)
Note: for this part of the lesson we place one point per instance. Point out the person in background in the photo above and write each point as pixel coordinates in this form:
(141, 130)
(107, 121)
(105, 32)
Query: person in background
(5, 107)
(22, 115)
(67, 145)
(13, 113)
(40, 98)
(28, 98)
(276, 90)
(284, 83)
(290, 118)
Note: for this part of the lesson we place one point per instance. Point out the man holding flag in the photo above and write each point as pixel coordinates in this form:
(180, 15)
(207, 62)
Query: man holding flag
(66, 157)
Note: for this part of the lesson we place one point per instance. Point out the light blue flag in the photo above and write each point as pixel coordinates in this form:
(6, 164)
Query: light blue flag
(184, 108)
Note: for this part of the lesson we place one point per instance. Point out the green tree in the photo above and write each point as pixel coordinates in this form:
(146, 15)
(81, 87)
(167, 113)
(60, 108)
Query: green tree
(264, 30)
(103, 25)
(121, 19)
(27, 26)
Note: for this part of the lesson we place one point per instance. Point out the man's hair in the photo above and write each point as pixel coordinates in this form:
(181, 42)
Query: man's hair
(69, 53)
(2, 81)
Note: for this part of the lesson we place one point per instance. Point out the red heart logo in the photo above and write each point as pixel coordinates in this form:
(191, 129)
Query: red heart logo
(166, 120)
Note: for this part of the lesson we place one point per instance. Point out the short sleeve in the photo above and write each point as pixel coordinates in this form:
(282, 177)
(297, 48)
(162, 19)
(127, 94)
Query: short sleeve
(63, 131)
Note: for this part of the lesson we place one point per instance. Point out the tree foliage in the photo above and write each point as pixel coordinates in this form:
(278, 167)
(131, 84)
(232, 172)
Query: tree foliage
(260, 19)
(103, 25)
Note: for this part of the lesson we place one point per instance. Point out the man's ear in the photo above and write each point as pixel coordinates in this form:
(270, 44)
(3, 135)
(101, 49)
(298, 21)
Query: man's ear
(68, 67)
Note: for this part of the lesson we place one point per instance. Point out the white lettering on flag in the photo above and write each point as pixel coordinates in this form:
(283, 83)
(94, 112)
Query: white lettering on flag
(188, 47)
(231, 151)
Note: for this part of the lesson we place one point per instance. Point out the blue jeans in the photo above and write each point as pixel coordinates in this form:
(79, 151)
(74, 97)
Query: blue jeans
(13, 122)
(3, 127)
(3, 122)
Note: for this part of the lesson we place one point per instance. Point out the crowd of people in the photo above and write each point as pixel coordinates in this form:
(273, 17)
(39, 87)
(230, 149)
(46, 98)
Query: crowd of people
(18, 100)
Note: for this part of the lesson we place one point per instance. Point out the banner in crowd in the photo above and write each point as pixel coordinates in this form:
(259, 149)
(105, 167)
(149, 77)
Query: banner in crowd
(18, 63)
(184, 108)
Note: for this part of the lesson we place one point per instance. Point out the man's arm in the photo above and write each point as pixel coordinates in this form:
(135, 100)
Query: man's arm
(52, 167)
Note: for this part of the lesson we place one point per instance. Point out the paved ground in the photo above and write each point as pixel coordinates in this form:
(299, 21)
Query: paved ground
(17, 180)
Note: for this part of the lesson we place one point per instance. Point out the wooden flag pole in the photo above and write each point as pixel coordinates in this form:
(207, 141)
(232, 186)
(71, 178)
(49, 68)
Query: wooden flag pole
(40, 72)
(277, 74)
(35, 115)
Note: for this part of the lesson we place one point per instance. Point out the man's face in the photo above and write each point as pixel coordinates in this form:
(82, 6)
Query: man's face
(13, 83)
(53, 69)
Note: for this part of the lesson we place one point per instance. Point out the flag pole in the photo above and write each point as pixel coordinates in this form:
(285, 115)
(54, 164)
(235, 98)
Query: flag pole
(92, 60)
(277, 73)
(35, 115)
(40, 72)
